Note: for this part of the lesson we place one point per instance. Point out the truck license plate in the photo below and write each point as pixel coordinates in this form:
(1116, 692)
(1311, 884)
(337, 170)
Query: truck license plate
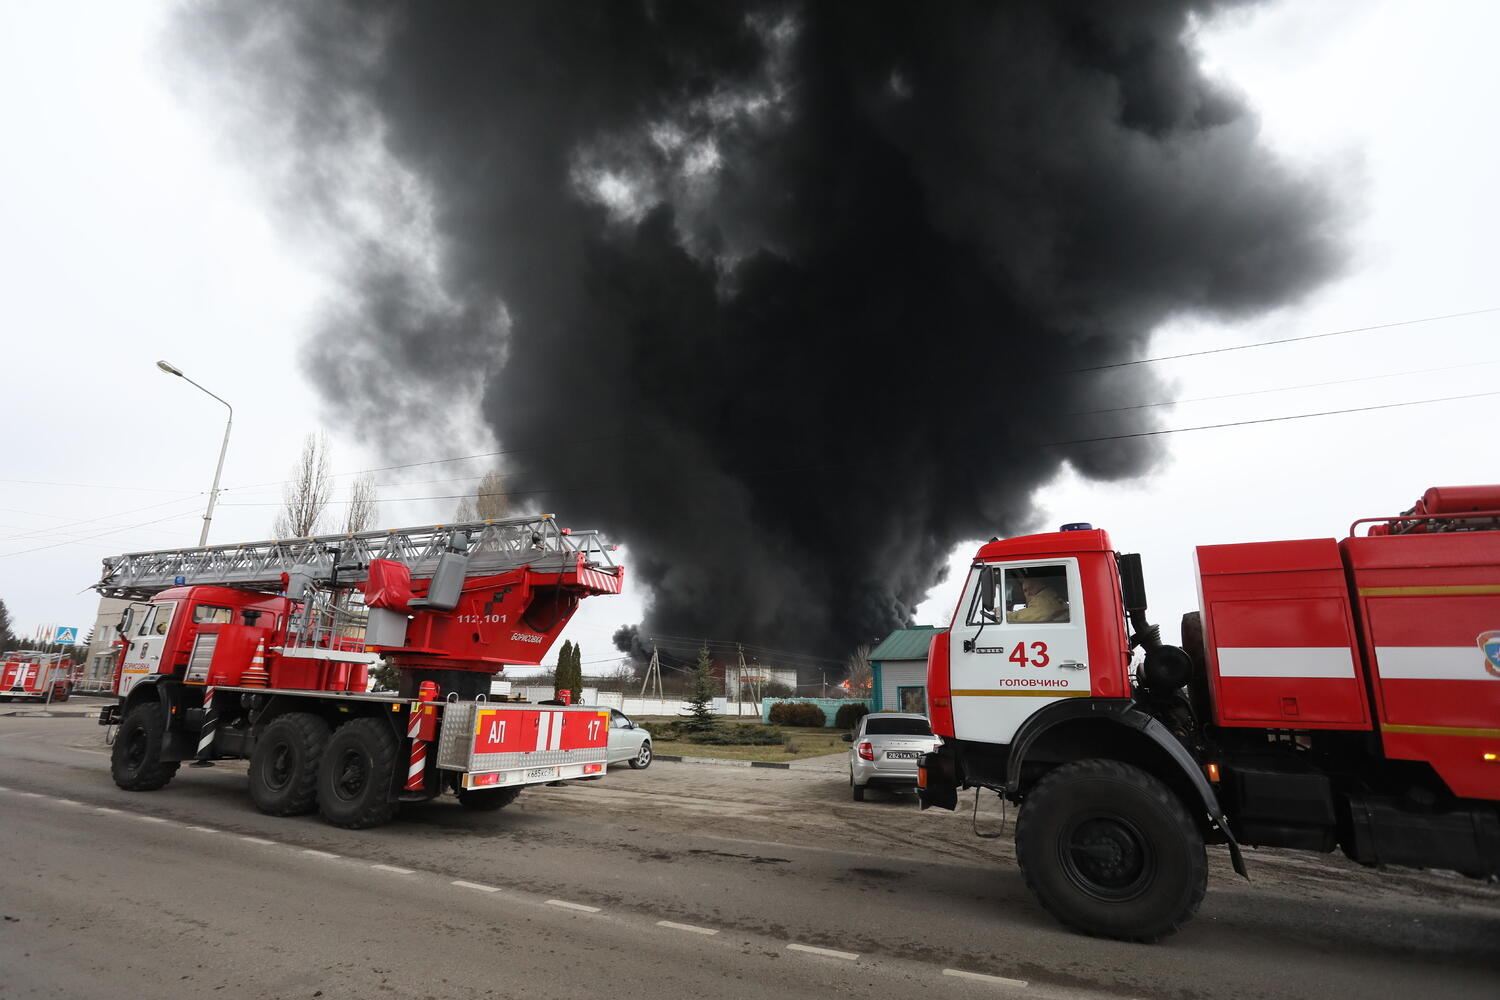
(900, 755)
(541, 772)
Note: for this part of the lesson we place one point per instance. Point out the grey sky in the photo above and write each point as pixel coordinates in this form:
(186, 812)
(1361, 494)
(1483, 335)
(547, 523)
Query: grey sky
(132, 233)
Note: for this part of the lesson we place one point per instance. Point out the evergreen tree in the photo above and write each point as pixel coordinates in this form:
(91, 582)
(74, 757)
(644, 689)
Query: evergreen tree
(575, 675)
(7, 637)
(570, 670)
(700, 711)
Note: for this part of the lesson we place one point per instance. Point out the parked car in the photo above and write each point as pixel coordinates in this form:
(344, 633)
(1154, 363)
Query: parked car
(885, 749)
(628, 742)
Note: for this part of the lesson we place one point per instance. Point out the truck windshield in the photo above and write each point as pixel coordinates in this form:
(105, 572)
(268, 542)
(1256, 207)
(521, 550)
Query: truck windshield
(875, 726)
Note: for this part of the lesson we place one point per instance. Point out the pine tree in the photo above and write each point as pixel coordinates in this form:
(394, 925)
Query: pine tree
(700, 705)
(570, 670)
(7, 637)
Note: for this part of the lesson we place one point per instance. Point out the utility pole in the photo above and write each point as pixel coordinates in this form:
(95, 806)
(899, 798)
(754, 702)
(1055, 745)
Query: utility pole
(653, 672)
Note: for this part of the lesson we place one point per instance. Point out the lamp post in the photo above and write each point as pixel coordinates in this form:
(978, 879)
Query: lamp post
(213, 493)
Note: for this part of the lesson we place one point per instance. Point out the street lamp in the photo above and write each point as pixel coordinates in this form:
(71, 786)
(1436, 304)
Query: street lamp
(213, 494)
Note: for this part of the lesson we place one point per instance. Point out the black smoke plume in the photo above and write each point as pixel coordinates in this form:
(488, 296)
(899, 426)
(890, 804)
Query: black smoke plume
(786, 296)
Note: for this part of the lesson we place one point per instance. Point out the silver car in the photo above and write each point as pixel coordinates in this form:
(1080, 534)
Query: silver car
(628, 742)
(885, 749)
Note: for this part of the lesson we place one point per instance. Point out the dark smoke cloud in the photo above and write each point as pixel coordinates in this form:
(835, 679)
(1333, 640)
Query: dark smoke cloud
(783, 295)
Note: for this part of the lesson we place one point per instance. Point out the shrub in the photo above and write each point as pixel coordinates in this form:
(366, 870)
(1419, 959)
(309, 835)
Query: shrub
(797, 713)
(848, 716)
(790, 747)
(737, 734)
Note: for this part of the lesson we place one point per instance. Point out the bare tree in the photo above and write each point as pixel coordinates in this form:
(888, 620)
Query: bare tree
(362, 503)
(307, 493)
(488, 503)
(860, 673)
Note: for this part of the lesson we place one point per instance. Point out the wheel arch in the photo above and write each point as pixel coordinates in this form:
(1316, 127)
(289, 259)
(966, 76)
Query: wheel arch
(1115, 729)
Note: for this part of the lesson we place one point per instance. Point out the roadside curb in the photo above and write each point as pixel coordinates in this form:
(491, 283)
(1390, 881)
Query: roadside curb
(793, 765)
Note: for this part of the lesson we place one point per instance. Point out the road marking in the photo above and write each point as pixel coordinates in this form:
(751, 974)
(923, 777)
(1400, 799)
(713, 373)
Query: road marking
(151, 819)
(203, 829)
(4, 788)
(847, 956)
(686, 927)
(105, 809)
(32, 795)
(258, 840)
(392, 869)
(475, 885)
(980, 977)
(69, 802)
(572, 906)
(318, 854)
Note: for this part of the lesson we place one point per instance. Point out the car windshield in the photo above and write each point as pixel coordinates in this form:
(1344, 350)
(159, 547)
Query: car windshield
(897, 727)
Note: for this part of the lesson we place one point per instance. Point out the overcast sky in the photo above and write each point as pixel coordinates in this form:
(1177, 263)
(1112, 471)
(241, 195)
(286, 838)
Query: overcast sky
(131, 234)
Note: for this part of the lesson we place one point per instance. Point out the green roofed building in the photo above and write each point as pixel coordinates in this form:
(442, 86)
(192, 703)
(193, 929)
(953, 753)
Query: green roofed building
(898, 670)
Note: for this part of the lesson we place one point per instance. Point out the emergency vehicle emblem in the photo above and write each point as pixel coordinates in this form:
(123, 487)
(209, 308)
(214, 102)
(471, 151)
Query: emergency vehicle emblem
(1489, 642)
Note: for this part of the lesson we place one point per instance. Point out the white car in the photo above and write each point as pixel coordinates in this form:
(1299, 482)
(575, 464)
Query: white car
(628, 742)
(885, 751)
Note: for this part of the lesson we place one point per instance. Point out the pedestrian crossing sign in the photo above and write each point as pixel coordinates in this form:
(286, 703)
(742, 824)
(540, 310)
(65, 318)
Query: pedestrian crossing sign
(65, 635)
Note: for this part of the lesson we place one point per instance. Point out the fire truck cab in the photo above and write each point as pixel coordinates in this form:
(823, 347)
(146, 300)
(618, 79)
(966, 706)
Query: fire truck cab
(1329, 694)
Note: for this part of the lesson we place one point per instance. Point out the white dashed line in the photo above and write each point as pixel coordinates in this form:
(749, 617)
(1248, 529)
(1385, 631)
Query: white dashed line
(686, 927)
(258, 840)
(151, 819)
(475, 885)
(32, 795)
(847, 956)
(69, 802)
(318, 854)
(203, 829)
(572, 906)
(392, 869)
(105, 809)
(980, 977)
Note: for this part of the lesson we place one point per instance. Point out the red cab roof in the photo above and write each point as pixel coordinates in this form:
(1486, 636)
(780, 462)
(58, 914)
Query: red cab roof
(1053, 543)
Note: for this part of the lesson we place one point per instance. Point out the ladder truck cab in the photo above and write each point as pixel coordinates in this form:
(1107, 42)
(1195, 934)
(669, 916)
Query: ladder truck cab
(43, 677)
(262, 651)
(1328, 695)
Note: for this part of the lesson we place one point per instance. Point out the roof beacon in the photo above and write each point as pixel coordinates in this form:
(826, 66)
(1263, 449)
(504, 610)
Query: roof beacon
(1077, 526)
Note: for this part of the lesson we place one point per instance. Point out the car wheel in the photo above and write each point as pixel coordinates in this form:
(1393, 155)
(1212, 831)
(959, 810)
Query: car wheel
(642, 758)
(1110, 851)
(858, 790)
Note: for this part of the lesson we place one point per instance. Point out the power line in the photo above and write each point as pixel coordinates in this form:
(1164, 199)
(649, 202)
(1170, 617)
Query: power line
(34, 532)
(1287, 388)
(86, 538)
(1266, 420)
(1287, 340)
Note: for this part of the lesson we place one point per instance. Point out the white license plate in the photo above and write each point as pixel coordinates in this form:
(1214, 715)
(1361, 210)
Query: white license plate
(541, 772)
(901, 755)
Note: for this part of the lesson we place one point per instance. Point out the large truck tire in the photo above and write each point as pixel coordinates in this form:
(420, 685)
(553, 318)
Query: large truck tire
(1109, 850)
(284, 765)
(135, 763)
(356, 775)
(487, 799)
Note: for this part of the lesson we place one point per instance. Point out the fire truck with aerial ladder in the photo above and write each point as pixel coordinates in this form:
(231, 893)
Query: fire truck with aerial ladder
(32, 676)
(1329, 695)
(262, 651)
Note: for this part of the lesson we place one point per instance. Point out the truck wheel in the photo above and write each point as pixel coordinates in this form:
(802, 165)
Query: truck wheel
(357, 773)
(1109, 850)
(284, 766)
(487, 799)
(135, 763)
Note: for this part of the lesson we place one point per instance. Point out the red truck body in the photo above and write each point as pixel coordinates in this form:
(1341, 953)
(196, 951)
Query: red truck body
(1328, 694)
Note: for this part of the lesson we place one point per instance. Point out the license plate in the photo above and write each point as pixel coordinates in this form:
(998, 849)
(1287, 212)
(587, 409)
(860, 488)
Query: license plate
(901, 755)
(541, 772)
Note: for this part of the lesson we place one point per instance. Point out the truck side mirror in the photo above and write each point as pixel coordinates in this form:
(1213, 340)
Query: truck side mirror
(987, 588)
(1132, 582)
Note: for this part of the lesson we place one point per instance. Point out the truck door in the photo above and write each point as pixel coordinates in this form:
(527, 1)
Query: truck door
(145, 638)
(1019, 643)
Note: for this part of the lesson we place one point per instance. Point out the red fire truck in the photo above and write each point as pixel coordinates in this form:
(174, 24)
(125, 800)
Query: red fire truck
(262, 651)
(1329, 695)
(32, 676)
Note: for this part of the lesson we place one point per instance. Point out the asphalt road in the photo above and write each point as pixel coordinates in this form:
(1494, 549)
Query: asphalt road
(682, 880)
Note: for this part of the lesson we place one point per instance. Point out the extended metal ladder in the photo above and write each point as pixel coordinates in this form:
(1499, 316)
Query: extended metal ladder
(491, 546)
